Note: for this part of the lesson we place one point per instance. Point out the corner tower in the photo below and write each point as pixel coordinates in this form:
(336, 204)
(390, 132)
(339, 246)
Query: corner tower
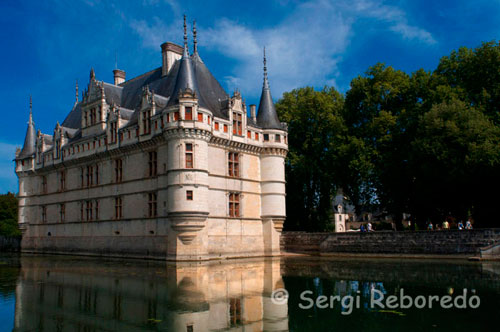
(272, 163)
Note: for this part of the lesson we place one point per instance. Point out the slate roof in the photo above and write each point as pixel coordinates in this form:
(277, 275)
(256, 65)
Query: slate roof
(267, 117)
(29, 141)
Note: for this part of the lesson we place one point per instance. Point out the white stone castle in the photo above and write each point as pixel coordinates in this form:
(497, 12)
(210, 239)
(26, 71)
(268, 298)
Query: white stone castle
(164, 165)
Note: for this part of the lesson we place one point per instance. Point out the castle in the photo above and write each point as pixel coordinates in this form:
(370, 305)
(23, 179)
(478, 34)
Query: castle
(165, 165)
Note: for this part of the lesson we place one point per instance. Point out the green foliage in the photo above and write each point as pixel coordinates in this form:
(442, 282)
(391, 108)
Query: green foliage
(8, 215)
(427, 144)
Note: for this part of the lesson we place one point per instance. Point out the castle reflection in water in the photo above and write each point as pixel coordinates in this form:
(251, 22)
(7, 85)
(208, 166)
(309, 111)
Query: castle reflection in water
(77, 294)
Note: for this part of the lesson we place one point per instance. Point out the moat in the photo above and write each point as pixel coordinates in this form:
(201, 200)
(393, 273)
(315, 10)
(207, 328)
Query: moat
(69, 293)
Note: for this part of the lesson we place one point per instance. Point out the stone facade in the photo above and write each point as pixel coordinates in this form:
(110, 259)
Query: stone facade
(156, 167)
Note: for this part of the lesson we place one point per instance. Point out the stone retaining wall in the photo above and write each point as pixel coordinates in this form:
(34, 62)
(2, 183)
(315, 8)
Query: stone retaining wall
(10, 243)
(451, 242)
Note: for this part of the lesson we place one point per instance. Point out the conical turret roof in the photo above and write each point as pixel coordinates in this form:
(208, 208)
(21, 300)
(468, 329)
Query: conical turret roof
(267, 117)
(29, 141)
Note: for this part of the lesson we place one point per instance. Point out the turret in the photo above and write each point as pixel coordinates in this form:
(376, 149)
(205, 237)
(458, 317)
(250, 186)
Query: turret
(187, 167)
(272, 163)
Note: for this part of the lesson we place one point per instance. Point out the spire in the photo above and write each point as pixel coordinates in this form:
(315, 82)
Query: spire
(267, 117)
(195, 42)
(266, 82)
(92, 74)
(29, 141)
(186, 51)
(76, 92)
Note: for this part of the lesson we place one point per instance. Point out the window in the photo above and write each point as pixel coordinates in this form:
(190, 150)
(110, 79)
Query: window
(118, 171)
(176, 116)
(152, 205)
(62, 212)
(200, 117)
(233, 164)
(249, 134)
(189, 155)
(81, 178)
(90, 175)
(96, 209)
(58, 148)
(44, 214)
(217, 126)
(266, 137)
(82, 211)
(225, 128)
(153, 163)
(189, 195)
(96, 174)
(44, 184)
(62, 180)
(188, 113)
(89, 210)
(114, 132)
(146, 122)
(277, 138)
(235, 312)
(189, 328)
(118, 208)
(256, 136)
(237, 124)
(234, 204)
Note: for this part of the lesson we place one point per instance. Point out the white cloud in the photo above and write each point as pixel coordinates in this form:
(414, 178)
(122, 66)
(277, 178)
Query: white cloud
(304, 48)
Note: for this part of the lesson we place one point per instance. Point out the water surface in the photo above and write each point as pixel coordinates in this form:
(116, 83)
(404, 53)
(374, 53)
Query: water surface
(69, 293)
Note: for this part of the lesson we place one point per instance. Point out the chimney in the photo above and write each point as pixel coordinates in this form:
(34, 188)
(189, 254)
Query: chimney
(119, 76)
(252, 113)
(170, 52)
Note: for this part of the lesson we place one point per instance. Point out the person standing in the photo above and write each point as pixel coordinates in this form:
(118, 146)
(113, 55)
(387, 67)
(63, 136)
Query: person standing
(369, 227)
(468, 225)
(446, 225)
(460, 225)
(429, 226)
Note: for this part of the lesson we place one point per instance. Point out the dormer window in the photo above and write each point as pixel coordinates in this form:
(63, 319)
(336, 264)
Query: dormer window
(113, 132)
(58, 148)
(146, 122)
(277, 138)
(237, 124)
(189, 113)
(266, 137)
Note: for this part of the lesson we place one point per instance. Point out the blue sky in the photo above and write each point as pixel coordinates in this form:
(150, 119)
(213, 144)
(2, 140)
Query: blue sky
(47, 45)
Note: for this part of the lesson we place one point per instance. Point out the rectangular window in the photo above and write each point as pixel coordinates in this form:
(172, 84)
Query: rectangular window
(62, 212)
(152, 205)
(146, 122)
(96, 208)
(200, 117)
(176, 116)
(189, 195)
(217, 126)
(189, 155)
(234, 204)
(237, 124)
(82, 216)
(118, 171)
(153, 164)
(89, 210)
(235, 312)
(188, 113)
(44, 214)
(90, 176)
(233, 164)
(44, 184)
(277, 138)
(266, 137)
(225, 128)
(249, 134)
(96, 174)
(118, 208)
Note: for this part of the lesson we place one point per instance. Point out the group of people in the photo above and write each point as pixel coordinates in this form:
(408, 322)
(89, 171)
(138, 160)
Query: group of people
(368, 228)
(446, 225)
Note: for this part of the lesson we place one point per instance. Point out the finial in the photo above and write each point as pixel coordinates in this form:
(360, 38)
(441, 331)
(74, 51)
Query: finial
(185, 33)
(31, 104)
(195, 42)
(266, 83)
(76, 91)
(92, 73)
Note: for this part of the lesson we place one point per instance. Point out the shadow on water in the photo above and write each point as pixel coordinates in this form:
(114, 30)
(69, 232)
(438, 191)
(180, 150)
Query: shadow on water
(68, 293)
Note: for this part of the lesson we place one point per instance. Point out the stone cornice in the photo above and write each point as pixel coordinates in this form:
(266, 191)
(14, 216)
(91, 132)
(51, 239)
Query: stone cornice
(194, 133)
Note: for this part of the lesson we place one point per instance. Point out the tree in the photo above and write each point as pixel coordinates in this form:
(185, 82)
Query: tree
(8, 215)
(315, 134)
